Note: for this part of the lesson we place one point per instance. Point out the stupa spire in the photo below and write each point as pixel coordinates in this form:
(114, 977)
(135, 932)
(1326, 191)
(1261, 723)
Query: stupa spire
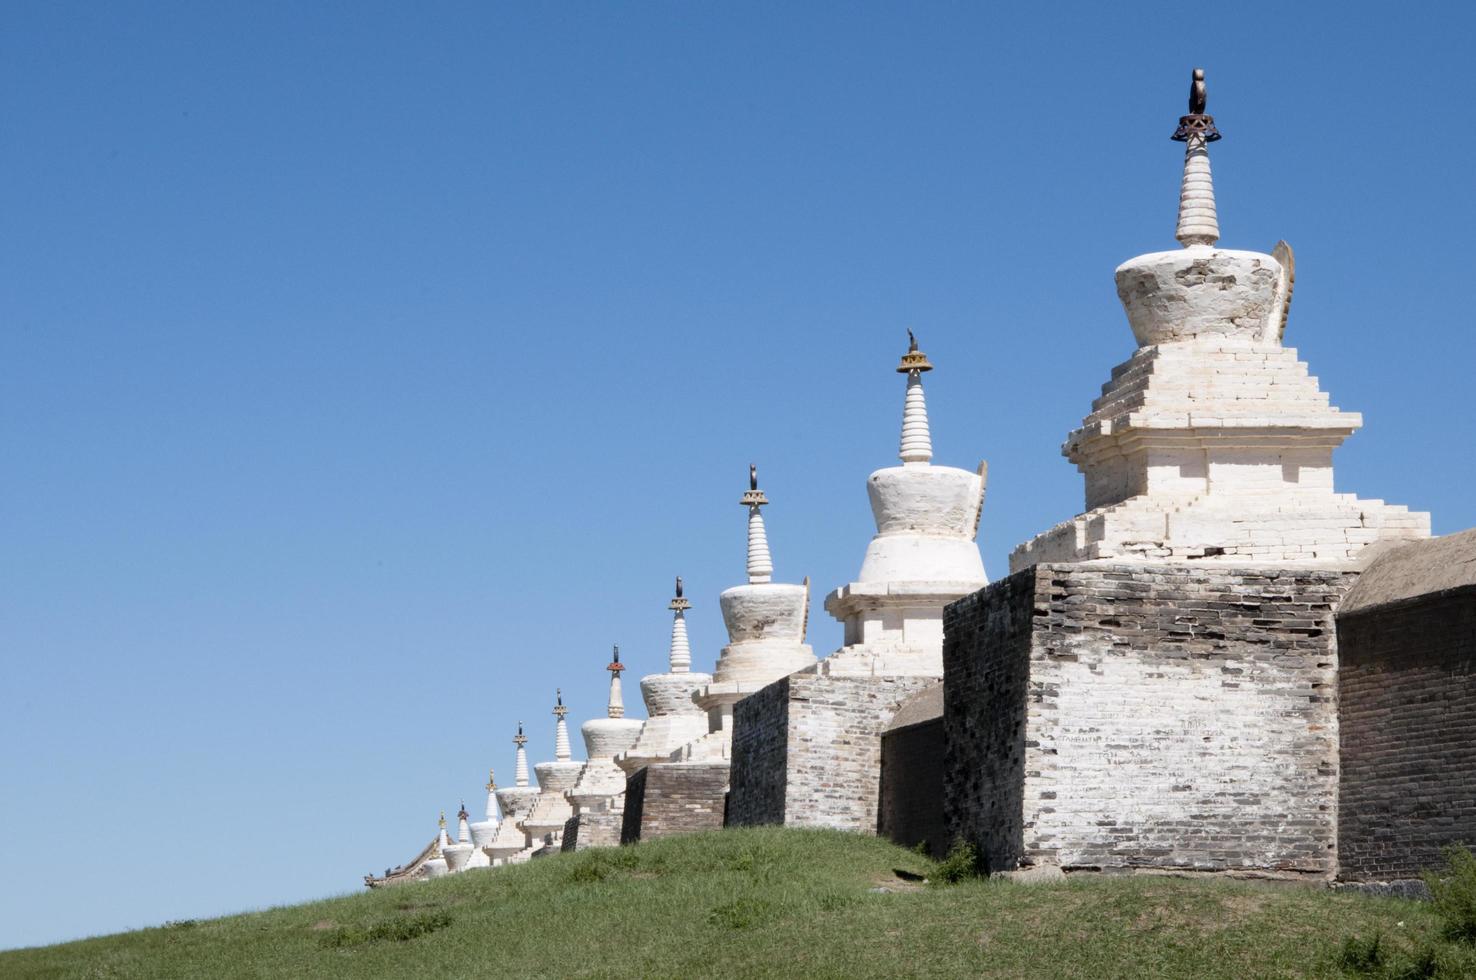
(760, 565)
(1198, 222)
(681, 650)
(443, 840)
(917, 441)
(463, 825)
(616, 707)
(520, 773)
(494, 808)
(561, 728)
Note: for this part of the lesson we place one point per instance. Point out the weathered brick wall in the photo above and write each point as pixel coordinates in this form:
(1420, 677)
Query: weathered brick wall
(586, 830)
(1176, 716)
(807, 750)
(674, 798)
(910, 806)
(760, 746)
(1407, 694)
(986, 672)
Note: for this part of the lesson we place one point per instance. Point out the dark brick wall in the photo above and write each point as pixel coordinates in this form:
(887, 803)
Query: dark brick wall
(1156, 716)
(760, 749)
(986, 671)
(910, 807)
(1407, 696)
(586, 830)
(674, 798)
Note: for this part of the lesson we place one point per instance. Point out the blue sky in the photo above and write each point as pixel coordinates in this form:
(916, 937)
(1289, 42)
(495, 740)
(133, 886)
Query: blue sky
(366, 370)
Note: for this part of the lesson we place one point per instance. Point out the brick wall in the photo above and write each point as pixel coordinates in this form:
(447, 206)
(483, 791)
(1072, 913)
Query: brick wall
(1127, 716)
(760, 745)
(807, 750)
(910, 797)
(1407, 691)
(674, 798)
(586, 830)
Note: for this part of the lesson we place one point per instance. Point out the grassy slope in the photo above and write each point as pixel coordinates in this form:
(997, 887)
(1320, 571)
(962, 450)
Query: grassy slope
(755, 903)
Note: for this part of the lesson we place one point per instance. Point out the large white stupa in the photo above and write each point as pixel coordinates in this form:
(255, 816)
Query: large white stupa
(674, 719)
(511, 843)
(766, 623)
(600, 787)
(924, 554)
(1212, 442)
(545, 821)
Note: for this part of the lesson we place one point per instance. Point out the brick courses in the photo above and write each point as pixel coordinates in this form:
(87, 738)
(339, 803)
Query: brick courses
(674, 798)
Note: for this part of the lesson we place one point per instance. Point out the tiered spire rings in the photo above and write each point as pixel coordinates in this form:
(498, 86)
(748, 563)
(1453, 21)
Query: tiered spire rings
(520, 775)
(617, 704)
(760, 565)
(561, 728)
(917, 441)
(681, 649)
(1198, 221)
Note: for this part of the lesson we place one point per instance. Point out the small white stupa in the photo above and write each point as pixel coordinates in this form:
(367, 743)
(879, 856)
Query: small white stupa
(674, 718)
(512, 844)
(457, 854)
(601, 784)
(437, 865)
(766, 623)
(924, 554)
(484, 831)
(1212, 442)
(551, 810)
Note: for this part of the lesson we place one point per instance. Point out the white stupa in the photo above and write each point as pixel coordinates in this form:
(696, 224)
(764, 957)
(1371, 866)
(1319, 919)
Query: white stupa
(459, 852)
(545, 821)
(1212, 442)
(601, 784)
(766, 623)
(924, 554)
(674, 718)
(437, 865)
(512, 844)
(484, 831)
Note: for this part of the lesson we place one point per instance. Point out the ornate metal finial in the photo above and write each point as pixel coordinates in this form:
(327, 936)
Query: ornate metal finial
(754, 497)
(615, 665)
(1197, 123)
(491, 780)
(914, 359)
(559, 710)
(462, 814)
(520, 739)
(442, 821)
(679, 603)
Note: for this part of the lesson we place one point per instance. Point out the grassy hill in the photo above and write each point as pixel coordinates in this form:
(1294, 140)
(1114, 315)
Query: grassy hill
(769, 902)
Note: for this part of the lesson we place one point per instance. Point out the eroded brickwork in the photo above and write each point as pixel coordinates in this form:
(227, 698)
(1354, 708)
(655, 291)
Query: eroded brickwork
(1176, 716)
(674, 798)
(1407, 691)
(587, 830)
(910, 798)
(807, 750)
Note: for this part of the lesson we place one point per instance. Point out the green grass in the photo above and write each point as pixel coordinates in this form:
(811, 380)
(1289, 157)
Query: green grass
(769, 902)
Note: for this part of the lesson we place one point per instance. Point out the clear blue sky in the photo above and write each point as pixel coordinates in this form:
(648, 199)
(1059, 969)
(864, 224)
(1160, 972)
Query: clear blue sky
(366, 370)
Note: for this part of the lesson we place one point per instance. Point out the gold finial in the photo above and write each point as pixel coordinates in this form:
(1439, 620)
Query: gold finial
(491, 780)
(679, 603)
(914, 359)
(442, 821)
(754, 497)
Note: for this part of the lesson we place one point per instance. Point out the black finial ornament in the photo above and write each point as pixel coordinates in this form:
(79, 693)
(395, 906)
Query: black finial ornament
(1198, 123)
(679, 587)
(752, 476)
(911, 342)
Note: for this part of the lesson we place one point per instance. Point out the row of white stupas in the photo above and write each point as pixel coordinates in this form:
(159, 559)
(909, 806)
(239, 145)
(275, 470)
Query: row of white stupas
(1211, 443)
(923, 556)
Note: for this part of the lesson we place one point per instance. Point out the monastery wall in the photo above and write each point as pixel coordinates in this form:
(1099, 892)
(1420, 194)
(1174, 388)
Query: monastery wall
(674, 798)
(1407, 696)
(1133, 716)
(807, 749)
(910, 795)
(586, 830)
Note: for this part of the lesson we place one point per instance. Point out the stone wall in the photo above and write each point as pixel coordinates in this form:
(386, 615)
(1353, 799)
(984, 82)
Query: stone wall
(674, 798)
(586, 830)
(807, 750)
(910, 797)
(1407, 695)
(1145, 716)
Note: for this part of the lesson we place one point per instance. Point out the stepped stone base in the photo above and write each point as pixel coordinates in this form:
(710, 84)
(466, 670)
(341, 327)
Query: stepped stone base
(807, 749)
(674, 798)
(1122, 717)
(586, 830)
